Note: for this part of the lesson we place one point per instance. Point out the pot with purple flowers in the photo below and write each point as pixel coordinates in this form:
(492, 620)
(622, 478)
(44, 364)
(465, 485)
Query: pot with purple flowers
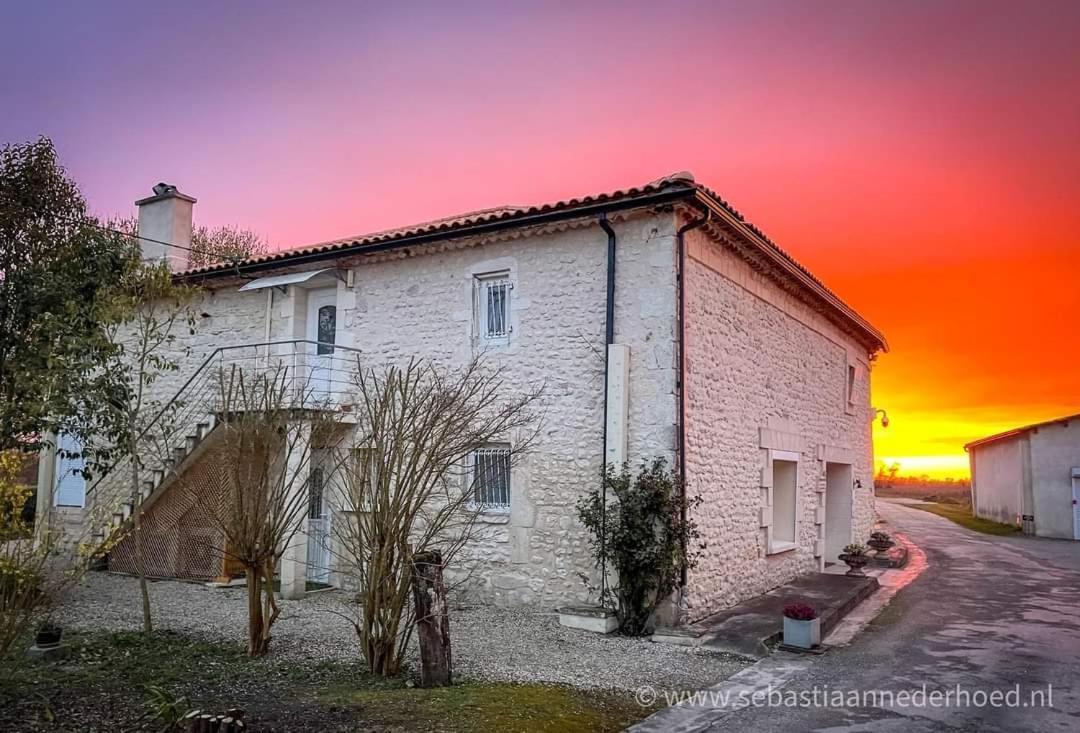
(802, 627)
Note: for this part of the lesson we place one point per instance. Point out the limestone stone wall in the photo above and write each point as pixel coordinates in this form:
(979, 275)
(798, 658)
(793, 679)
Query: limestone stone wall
(423, 307)
(765, 372)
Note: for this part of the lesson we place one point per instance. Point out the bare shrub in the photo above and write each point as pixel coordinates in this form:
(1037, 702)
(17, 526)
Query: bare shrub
(408, 485)
(261, 469)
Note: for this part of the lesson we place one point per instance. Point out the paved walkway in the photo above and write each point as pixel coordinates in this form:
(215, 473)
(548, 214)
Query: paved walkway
(990, 616)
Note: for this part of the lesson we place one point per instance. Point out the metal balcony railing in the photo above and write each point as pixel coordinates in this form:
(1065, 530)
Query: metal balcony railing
(314, 375)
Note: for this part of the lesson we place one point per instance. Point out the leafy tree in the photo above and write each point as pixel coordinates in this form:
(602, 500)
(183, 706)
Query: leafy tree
(644, 534)
(224, 244)
(58, 271)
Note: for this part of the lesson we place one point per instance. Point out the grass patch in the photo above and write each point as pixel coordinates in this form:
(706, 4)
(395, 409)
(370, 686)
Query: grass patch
(109, 681)
(961, 514)
(473, 706)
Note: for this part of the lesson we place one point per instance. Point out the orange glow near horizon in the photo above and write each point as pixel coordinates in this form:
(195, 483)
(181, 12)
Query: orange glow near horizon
(921, 159)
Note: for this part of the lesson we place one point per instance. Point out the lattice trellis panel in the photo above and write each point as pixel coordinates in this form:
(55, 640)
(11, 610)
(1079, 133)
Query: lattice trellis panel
(180, 537)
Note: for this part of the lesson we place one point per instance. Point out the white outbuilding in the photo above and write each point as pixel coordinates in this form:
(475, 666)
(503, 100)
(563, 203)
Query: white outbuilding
(1030, 477)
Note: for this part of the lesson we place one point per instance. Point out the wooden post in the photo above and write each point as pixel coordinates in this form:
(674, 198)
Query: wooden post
(432, 620)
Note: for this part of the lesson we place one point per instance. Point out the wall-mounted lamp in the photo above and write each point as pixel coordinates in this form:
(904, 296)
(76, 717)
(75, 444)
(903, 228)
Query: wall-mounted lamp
(884, 417)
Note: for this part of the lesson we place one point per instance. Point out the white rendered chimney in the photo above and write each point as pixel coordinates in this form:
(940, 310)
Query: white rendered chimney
(166, 217)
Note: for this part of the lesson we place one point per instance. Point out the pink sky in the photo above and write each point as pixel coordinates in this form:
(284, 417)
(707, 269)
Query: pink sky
(922, 158)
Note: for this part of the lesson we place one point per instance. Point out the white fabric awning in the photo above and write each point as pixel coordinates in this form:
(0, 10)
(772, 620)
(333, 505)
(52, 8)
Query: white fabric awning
(280, 281)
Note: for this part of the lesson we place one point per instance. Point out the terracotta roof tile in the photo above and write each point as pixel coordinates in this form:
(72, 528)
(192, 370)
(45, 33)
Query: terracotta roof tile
(681, 182)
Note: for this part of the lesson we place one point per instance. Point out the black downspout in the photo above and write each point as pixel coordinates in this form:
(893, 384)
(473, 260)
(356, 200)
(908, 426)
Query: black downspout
(680, 238)
(609, 339)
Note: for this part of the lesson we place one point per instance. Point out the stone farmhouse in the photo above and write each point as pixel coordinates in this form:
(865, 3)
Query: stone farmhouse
(663, 325)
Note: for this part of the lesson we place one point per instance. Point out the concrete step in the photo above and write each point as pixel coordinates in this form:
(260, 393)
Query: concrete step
(752, 627)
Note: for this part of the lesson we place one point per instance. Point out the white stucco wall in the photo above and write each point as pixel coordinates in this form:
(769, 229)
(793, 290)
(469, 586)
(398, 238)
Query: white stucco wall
(998, 479)
(765, 371)
(1055, 451)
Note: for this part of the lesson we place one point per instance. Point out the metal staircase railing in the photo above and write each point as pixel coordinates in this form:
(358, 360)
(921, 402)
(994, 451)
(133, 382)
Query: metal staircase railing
(317, 376)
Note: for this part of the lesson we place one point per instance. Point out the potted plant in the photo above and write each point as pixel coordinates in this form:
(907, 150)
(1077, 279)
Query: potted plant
(802, 627)
(880, 541)
(48, 636)
(856, 558)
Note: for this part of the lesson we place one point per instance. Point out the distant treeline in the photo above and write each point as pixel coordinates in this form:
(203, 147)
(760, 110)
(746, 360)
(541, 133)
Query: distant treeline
(889, 477)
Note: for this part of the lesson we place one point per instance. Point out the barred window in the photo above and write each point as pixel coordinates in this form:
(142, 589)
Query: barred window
(316, 491)
(493, 305)
(491, 477)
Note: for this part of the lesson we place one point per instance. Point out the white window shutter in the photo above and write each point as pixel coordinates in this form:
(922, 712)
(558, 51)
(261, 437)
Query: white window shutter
(70, 484)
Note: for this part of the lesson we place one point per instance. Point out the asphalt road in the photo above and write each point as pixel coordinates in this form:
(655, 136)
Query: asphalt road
(988, 614)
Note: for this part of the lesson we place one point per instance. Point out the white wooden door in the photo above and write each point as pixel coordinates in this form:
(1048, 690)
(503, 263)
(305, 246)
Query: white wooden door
(1076, 502)
(321, 329)
(70, 486)
(839, 487)
(318, 533)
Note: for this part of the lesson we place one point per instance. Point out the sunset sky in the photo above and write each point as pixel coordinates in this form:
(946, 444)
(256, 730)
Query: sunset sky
(922, 158)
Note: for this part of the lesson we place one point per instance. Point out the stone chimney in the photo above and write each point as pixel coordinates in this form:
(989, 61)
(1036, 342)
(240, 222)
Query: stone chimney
(166, 217)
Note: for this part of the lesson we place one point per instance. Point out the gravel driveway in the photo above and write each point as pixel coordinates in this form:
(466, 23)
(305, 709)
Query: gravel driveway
(489, 643)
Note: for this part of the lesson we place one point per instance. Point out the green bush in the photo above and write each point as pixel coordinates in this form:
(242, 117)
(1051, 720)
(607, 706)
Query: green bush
(644, 535)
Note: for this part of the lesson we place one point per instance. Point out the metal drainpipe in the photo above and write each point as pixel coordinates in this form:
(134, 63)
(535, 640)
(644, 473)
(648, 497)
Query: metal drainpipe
(609, 339)
(680, 238)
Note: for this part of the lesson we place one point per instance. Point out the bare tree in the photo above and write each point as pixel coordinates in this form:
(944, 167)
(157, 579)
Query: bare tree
(409, 486)
(260, 476)
(224, 244)
(148, 311)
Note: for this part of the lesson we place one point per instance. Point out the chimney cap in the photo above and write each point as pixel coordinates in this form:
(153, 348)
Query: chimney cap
(164, 191)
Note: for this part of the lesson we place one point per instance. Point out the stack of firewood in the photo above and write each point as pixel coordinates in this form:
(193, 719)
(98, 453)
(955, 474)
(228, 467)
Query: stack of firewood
(199, 722)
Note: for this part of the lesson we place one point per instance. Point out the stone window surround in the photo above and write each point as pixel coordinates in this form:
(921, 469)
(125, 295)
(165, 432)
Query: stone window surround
(775, 546)
(477, 272)
(493, 514)
(779, 440)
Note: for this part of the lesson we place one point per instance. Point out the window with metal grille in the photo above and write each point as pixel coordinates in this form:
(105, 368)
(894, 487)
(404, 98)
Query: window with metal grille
(316, 510)
(494, 305)
(491, 478)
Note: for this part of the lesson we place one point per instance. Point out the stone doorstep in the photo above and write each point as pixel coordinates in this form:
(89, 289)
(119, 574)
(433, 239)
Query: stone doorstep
(750, 628)
(589, 618)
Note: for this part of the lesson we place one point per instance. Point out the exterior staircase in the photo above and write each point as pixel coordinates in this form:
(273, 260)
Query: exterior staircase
(174, 440)
(158, 480)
